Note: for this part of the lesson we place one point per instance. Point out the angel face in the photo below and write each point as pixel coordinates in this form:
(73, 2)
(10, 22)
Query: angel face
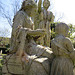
(62, 29)
(28, 4)
(46, 4)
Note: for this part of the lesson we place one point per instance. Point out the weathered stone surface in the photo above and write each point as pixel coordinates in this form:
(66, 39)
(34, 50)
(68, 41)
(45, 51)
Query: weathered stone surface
(40, 66)
(42, 20)
(62, 48)
(36, 66)
(39, 61)
(26, 57)
(13, 65)
(15, 68)
(4, 69)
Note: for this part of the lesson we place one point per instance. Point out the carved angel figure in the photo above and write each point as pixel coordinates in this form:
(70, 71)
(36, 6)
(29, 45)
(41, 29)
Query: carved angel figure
(21, 25)
(43, 21)
(62, 49)
(24, 48)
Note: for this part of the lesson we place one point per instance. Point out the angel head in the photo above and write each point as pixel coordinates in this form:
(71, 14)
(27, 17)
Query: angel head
(62, 29)
(28, 4)
(46, 4)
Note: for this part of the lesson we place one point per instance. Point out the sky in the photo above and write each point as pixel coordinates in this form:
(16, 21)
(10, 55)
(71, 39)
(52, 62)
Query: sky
(64, 11)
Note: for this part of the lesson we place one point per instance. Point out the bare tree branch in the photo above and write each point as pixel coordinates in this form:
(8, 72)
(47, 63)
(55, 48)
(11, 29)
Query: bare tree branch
(4, 32)
(59, 16)
(15, 6)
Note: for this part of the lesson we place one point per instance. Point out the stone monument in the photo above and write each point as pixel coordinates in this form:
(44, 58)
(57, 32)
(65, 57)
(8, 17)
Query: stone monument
(63, 50)
(25, 56)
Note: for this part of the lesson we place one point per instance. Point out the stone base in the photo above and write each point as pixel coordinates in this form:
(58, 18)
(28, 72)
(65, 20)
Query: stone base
(40, 66)
(12, 65)
(35, 66)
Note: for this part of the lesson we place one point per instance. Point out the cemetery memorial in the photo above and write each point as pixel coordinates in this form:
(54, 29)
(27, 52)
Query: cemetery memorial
(30, 52)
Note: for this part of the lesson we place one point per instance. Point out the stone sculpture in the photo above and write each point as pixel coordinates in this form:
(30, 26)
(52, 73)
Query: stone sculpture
(63, 50)
(26, 57)
(43, 20)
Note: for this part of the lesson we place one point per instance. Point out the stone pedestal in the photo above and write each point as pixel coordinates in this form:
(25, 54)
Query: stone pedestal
(36, 66)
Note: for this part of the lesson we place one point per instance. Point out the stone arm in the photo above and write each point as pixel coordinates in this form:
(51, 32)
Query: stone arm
(69, 45)
(71, 50)
(48, 53)
(58, 49)
(38, 32)
(54, 48)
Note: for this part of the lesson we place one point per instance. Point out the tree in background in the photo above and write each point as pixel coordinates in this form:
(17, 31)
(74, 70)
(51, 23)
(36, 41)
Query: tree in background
(4, 32)
(72, 29)
(72, 33)
(8, 10)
